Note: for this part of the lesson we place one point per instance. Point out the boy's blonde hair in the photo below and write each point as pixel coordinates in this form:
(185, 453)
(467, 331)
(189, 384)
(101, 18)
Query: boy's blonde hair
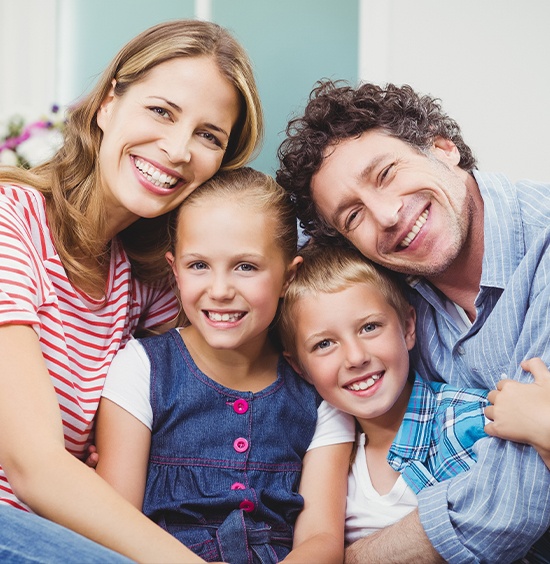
(330, 269)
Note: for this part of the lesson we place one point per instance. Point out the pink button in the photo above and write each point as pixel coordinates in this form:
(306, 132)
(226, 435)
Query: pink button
(238, 486)
(247, 505)
(240, 406)
(240, 444)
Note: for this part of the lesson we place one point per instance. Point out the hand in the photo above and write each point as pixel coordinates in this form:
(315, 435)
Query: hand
(92, 458)
(521, 412)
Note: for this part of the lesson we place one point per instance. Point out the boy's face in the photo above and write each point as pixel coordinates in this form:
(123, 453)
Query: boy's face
(354, 348)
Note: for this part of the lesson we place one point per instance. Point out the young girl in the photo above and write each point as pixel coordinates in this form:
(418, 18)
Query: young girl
(82, 244)
(211, 439)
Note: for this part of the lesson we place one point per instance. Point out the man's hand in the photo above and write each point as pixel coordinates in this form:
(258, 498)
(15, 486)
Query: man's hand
(401, 543)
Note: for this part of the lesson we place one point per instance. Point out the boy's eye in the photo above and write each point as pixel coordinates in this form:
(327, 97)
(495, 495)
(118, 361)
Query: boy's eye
(324, 344)
(369, 327)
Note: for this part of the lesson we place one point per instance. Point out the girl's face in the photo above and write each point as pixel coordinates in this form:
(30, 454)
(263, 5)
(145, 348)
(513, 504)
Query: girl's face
(354, 348)
(230, 271)
(166, 135)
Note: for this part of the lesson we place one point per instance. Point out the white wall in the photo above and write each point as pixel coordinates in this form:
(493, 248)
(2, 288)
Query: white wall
(488, 61)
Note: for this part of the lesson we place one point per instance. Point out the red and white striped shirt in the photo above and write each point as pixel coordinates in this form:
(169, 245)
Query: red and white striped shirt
(79, 336)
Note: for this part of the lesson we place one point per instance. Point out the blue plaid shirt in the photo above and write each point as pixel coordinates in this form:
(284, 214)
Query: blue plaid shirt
(494, 512)
(436, 438)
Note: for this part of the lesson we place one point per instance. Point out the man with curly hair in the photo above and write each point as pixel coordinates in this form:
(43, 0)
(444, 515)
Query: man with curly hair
(386, 170)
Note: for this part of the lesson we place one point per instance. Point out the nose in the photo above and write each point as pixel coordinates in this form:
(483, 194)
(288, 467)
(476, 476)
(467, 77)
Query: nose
(385, 210)
(356, 354)
(221, 288)
(177, 144)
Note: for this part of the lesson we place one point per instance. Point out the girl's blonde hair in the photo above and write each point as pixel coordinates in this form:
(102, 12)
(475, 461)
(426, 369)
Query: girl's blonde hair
(69, 181)
(253, 190)
(329, 269)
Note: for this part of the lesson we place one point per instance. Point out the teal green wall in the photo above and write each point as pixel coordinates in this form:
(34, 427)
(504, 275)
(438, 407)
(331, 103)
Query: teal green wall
(292, 44)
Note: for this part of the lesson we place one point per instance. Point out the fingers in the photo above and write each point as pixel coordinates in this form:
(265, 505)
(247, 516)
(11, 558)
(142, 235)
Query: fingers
(537, 368)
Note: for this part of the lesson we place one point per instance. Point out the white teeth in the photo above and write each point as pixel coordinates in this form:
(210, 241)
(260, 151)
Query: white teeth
(154, 175)
(224, 316)
(415, 229)
(364, 384)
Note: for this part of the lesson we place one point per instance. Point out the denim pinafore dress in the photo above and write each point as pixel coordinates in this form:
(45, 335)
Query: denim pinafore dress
(224, 465)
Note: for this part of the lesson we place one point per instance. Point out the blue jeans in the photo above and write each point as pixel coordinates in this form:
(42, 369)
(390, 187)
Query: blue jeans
(27, 538)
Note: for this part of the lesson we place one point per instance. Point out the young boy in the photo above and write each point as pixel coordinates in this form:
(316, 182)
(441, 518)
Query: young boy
(347, 328)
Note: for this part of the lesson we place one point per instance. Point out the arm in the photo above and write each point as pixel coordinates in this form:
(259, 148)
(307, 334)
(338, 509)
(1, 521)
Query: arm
(521, 412)
(405, 541)
(51, 481)
(319, 531)
(123, 444)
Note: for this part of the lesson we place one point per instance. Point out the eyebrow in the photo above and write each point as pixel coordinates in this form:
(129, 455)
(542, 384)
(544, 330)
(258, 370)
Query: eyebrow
(176, 108)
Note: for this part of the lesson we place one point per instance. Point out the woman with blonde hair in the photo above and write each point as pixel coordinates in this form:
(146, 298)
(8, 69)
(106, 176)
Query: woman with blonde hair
(82, 268)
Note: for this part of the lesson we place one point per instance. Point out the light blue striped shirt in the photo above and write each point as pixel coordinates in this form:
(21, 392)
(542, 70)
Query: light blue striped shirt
(495, 511)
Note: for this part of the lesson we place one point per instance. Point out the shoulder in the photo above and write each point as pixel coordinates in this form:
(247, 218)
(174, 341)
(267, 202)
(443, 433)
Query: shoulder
(296, 384)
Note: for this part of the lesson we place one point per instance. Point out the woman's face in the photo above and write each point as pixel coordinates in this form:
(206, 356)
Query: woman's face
(164, 137)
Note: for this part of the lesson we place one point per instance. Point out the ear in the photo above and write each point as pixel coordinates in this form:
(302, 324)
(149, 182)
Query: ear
(410, 328)
(291, 274)
(172, 262)
(104, 110)
(296, 367)
(445, 150)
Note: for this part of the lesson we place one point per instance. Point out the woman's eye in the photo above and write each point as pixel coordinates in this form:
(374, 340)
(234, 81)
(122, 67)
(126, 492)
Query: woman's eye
(160, 111)
(211, 138)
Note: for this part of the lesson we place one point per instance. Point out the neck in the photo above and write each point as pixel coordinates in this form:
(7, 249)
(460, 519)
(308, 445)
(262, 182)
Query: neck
(251, 367)
(460, 282)
(381, 430)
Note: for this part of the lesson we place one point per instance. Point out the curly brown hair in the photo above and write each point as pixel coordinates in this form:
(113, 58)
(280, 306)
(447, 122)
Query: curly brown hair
(336, 111)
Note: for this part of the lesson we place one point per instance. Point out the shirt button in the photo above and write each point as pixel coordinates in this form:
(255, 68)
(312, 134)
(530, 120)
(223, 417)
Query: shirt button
(247, 505)
(240, 406)
(240, 444)
(238, 486)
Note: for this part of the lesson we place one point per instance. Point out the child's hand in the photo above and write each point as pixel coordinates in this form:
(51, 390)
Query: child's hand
(521, 412)
(93, 458)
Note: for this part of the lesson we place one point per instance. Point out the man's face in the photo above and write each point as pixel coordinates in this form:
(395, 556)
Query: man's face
(407, 210)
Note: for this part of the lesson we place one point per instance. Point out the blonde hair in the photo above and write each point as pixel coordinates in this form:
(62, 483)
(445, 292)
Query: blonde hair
(330, 269)
(69, 181)
(252, 189)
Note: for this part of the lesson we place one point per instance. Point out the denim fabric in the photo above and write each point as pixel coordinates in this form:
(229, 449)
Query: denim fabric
(27, 538)
(225, 465)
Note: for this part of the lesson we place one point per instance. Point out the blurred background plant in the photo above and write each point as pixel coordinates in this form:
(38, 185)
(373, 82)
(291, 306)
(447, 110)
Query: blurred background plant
(29, 142)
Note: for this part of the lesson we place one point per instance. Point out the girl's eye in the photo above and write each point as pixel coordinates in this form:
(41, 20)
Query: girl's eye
(198, 266)
(245, 267)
